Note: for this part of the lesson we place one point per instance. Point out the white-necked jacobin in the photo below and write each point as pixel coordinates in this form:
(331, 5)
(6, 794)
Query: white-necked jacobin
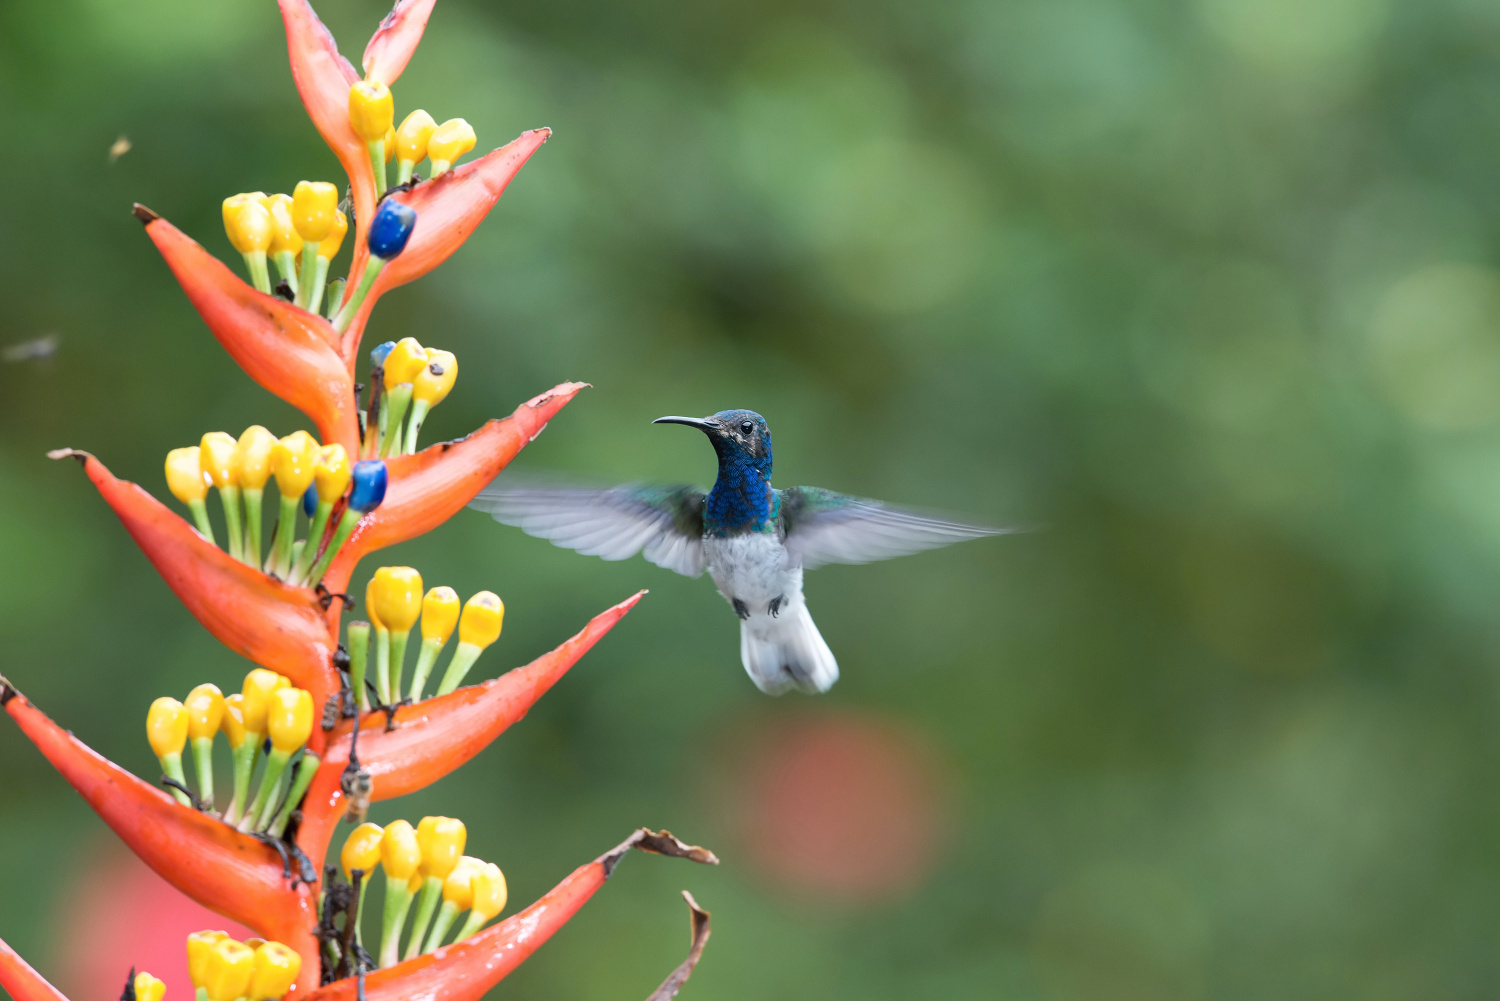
(753, 539)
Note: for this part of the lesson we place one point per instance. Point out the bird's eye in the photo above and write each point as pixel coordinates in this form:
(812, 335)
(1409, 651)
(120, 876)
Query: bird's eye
(747, 427)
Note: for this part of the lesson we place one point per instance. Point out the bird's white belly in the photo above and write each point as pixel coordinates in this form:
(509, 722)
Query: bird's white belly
(754, 569)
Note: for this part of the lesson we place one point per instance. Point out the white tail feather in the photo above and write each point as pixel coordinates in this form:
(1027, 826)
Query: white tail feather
(787, 651)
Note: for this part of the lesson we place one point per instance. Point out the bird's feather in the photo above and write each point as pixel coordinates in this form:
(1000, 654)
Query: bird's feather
(824, 527)
(664, 524)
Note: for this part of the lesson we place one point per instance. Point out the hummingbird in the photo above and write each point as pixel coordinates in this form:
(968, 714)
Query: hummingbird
(754, 540)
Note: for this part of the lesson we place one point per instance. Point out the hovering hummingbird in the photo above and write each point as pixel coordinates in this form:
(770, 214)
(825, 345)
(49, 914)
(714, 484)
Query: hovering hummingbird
(754, 540)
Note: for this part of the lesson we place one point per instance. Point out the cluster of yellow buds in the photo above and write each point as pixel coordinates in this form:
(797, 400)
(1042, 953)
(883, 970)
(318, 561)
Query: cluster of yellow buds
(268, 706)
(222, 969)
(395, 603)
(426, 863)
(307, 222)
(309, 477)
(145, 987)
(372, 116)
(408, 380)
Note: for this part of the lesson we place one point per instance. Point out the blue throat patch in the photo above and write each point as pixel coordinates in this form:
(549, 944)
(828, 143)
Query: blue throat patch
(741, 500)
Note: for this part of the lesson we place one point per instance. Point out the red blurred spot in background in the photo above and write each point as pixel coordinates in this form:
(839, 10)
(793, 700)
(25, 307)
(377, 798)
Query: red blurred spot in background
(836, 804)
(117, 914)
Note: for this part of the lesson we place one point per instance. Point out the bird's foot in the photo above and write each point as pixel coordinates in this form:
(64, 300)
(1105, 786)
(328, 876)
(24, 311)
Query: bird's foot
(741, 609)
(775, 606)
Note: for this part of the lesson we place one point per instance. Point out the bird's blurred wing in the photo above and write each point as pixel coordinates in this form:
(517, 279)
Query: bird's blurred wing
(664, 524)
(824, 527)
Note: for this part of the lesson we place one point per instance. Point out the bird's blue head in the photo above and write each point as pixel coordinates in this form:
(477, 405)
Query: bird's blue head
(740, 437)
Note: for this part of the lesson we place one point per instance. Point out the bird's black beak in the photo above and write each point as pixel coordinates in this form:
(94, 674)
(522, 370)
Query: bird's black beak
(708, 425)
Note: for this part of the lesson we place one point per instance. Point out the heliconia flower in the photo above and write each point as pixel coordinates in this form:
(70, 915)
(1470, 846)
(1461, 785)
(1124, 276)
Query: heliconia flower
(22, 982)
(371, 110)
(386, 238)
(248, 224)
(487, 898)
(467, 969)
(167, 733)
(276, 969)
(333, 473)
(189, 483)
(314, 206)
(230, 966)
(199, 944)
(211, 862)
(483, 616)
(217, 453)
(430, 387)
(428, 488)
(442, 841)
(288, 351)
(148, 988)
(361, 849)
(450, 207)
(205, 711)
(440, 735)
(440, 610)
(411, 143)
(328, 247)
(448, 142)
(395, 602)
(279, 627)
(286, 242)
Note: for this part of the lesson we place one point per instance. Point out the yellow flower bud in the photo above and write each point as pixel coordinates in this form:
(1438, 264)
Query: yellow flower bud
(329, 248)
(414, 884)
(276, 966)
(406, 359)
(489, 890)
(260, 685)
(167, 726)
(457, 888)
(442, 842)
(333, 473)
(148, 988)
(448, 142)
(231, 964)
(439, 613)
(247, 222)
(199, 945)
(390, 144)
(289, 719)
(252, 456)
(397, 597)
(362, 849)
(435, 380)
(370, 589)
(400, 855)
(205, 710)
(216, 455)
(185, 476)
(232, 723)
(294, 461)
(313, 206)
(483, 616)
(412, 136)
(284, 238)
(371, 110)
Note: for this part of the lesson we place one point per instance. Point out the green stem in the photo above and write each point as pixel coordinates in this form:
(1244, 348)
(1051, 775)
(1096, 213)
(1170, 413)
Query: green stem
(377, 160)
(373, 267)
(306, 769)
(255, 263)
(319, 280)
(362, 884)
(397, 903)
(432, 893)
(476, 921)
(269, 780)
(340, 536)
(335, 297)
(398, 399)
(297, 548)
(286, 266)
(404, 169)
(440, 167)
(463, 659)
(244, 761)
(305, 275)
(383, 663)
(447, 914)
(201, 994)
(425, 659)
(230, 496)
(359, 657)
(418, 415)
(203, 765)
(314, 536)
(171, 767)
(398, 660)
(251, 552)
(286, 535)
(200, 518)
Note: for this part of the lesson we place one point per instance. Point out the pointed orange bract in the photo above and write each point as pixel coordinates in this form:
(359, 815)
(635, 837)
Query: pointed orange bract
(449, 208)
(395, 40)
(23, 983)
(428, 488)
(436, 736)
(226, 871)
(289, 351)
(275, 625)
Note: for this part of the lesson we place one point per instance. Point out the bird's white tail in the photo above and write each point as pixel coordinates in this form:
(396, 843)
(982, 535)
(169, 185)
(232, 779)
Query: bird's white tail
(787, 651)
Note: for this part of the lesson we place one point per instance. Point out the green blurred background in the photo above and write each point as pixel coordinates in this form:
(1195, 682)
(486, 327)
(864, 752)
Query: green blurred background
(1208, 288)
